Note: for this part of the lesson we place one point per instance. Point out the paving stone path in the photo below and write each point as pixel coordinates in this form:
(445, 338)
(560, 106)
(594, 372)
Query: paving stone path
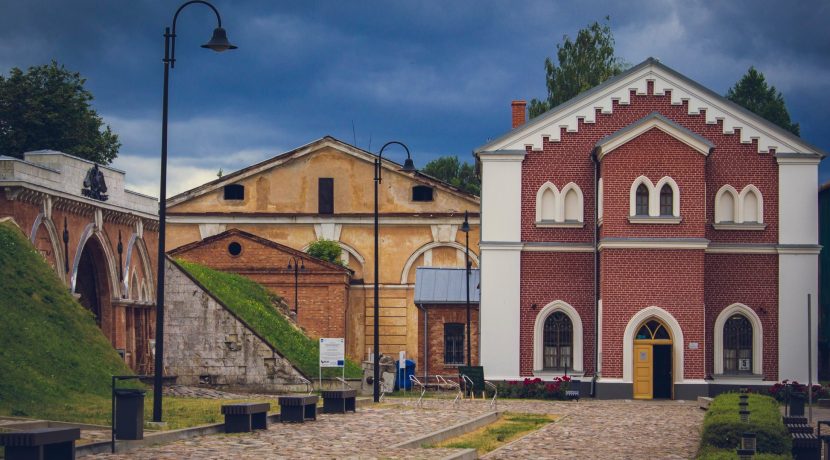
(585, 430)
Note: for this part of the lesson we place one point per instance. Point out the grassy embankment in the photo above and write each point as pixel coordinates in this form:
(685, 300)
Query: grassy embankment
(256, 306)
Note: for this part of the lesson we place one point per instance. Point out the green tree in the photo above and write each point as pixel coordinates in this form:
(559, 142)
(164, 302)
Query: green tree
(453, 172)
(753, 93)
(47, 107)
(584, 63)
(327, 250)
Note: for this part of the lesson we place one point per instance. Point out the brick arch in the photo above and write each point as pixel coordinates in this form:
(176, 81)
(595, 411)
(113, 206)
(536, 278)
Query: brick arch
(109, 264)
(58, 256)
(137, 244)
(631, 331)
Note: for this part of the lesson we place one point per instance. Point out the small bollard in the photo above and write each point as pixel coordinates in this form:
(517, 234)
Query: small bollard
(745, 454)
(744, 415)
(749, 441)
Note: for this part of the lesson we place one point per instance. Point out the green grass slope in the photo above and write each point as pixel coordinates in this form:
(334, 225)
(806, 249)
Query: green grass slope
(53, 357)
(255, 306)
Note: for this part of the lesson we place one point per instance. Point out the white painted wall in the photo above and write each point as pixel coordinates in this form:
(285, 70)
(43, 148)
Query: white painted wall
(797, 276)
(500, 270)
(501, 210)
(798, 201)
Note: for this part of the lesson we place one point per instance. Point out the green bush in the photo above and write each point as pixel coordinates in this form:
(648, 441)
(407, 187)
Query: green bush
(327, 250)
(722, 426)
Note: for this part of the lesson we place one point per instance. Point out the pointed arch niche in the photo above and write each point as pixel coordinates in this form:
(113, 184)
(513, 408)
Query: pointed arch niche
(559, 209)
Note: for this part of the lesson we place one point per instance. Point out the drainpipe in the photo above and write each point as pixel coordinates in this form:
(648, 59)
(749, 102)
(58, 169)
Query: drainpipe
(426, 337)
(595, 160)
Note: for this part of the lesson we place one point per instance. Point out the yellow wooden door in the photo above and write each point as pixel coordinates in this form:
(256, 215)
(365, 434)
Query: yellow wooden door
(643, 371)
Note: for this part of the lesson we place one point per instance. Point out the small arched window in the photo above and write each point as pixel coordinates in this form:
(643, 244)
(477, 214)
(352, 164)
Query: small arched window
(234, 192)
(666, 201)
(558, 342)
(642, 200)
(737, 345)
(653, 330)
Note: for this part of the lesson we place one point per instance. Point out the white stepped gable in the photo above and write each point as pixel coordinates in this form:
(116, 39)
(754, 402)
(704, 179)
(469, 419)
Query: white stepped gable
(619, 89)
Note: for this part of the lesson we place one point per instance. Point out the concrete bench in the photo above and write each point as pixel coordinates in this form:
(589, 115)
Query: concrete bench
(244, 417)
(298, 408)
(339, 401)
(41, 444)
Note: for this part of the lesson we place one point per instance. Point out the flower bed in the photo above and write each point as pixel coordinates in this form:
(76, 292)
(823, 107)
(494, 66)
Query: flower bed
(535, 388)
(780, 390)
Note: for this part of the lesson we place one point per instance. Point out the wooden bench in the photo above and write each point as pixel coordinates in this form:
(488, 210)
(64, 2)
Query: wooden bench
(244, 417)
(339, 401)
(41, 444)
(806, 446)
(298, 408)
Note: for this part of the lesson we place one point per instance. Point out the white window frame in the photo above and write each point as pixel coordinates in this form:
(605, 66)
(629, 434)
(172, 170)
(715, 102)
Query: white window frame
(654, 216)
(757, 339)
(738, 199)
(539, 336)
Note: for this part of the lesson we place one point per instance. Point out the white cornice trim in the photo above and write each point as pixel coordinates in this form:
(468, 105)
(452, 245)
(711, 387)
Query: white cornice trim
(726, 248)
(310, 220)
(503, 156)
(558, 247)
(813, 249)
(500, 246)
(80, 199)
(554, 224)
(798, 160)
(747, 226)
(654, 220)
(653, 243)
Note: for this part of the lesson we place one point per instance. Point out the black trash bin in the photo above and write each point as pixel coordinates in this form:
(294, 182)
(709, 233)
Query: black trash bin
(129, 414)
(797, 404)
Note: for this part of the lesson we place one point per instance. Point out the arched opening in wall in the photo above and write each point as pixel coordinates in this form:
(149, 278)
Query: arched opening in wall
(572, 206)
(46, 246)
(548, 205)
(653, 361)
(642, 197)
(750, 207)
(91, 282)
(666, 201)
(725, 208)
(135, 292)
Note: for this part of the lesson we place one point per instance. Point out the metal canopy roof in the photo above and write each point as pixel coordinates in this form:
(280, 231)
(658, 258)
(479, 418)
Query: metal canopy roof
(445, 286)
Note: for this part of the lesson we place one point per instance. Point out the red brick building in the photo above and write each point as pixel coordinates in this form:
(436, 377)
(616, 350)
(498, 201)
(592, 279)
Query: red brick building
(319, 297)
(649, 236)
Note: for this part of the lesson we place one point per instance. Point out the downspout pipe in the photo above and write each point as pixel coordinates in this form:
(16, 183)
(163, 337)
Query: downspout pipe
(595, 159)
(426, 340)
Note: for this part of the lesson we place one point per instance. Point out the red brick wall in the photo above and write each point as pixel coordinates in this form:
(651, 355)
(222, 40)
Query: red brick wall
(750, 279)
(550, 276)
(323, 291)
(438, 316)
(634, 279)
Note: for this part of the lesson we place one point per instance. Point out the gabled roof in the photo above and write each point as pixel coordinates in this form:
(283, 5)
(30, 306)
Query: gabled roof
(650, 121)
(445, 286)
(263, 241)
(311, 147)
(718, 108)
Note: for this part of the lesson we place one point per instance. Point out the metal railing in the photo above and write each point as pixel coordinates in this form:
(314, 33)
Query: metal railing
(414, 380)
(308, 385)
(493, 387)
(344, 382)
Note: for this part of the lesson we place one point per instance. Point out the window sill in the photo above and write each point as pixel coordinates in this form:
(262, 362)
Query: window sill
(654, 220)
(752, 226)
(736, 377)
(551, 374)
(554, 224)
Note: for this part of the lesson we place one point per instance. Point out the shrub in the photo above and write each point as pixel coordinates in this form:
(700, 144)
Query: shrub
(780, 391)
(535, 388)
(722, 426)
(327, 250)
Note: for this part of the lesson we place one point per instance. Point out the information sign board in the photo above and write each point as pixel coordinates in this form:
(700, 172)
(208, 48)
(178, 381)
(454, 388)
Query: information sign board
(332, 352)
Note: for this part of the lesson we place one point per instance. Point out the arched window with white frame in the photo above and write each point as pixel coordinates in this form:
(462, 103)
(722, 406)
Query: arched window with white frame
(666, 197)
(738, 335)
(557, 342)
(559, 209)
(739, 211)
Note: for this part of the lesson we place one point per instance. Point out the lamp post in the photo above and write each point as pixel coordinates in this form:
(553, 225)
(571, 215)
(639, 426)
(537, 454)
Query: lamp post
(218, 42)
(465, 227)
(298, 265)
(408, 166)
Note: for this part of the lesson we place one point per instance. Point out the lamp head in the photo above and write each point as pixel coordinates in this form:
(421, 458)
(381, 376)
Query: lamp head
(219, 42)
(408, 165)
(465, 226)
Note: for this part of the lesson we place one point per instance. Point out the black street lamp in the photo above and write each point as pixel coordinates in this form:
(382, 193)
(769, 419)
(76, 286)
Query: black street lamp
(408, 166)
(218, 42)
(465, 227)
(298, 265)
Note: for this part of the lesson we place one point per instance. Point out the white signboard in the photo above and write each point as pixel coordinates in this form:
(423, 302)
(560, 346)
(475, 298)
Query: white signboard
(694, 345)
(402, 360)
(332, 352)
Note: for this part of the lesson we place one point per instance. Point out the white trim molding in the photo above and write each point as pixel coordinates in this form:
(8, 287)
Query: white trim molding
(678, 344)
(653, 243)
(539, 332)
(654, 120)
(428, 247)
(653, 198)
(757, 338)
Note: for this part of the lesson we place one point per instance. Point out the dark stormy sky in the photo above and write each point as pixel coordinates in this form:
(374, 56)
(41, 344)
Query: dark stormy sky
(437, 75)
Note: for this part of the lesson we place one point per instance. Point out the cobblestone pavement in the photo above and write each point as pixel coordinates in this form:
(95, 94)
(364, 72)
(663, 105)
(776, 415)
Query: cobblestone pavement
(585, 430)
(608, 430)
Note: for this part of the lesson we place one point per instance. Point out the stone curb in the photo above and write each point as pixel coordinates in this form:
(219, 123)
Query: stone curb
(453, 431)
(466, 454)
(163, 437)
(504, 447)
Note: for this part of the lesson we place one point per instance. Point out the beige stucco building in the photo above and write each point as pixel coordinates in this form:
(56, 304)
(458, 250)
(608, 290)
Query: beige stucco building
(325, 190)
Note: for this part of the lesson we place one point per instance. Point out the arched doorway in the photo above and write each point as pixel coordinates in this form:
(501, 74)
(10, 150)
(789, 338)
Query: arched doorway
(92, 283)
(653, 362)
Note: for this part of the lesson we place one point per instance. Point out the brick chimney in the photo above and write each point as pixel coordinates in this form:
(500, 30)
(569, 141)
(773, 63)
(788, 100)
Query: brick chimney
(518, 113)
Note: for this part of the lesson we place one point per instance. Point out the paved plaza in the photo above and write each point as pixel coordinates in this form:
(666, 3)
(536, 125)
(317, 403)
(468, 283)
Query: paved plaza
(585, 429)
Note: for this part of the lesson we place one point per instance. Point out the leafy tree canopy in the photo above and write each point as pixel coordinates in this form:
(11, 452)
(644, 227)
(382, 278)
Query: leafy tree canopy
(327, 250)
(584, 63)
(453, 172)
(753, 93)
(47, 107)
